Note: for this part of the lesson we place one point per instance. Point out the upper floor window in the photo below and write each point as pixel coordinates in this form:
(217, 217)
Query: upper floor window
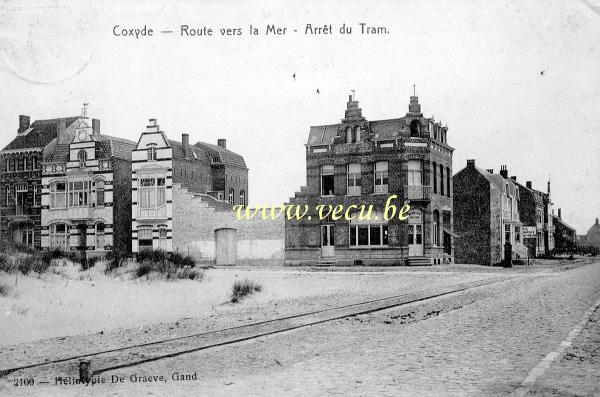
(7, 165)
(58, 195)
(435, 184)
(415, 129)
(37, 195)
(82, 157)
(80, 193)
(100, 193)
(441, 179)
(34, 163)
(24, 163)
(381, 177)
(151, 152)
(327, 180)
(448, 181)
(357, 134)
(230, 198)
(242, 198)
(354, 179)
(348, 135)
(415, 173)
(152, 195)
(8, 196)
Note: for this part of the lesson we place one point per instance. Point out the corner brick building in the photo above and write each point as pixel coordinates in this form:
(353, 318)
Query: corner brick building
(486, 216)
(21, 176)
(86, 195)
(358, 161)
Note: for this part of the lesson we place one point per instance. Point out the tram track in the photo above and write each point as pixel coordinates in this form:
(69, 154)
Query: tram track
(137, 354)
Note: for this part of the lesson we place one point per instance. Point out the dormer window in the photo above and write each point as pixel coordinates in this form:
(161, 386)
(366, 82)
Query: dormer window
(415, 129)
(82, 157)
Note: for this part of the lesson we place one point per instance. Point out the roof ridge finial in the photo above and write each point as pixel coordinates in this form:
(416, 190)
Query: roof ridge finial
(353, 94)
(414, 89)
(84, 109)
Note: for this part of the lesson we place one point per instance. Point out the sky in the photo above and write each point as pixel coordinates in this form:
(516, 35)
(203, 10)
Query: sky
(516, 82)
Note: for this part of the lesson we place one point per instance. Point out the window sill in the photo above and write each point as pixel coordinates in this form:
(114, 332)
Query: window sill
(370, 247)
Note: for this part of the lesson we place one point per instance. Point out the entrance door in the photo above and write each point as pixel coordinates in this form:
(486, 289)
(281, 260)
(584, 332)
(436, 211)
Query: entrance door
(415, 239)
(226, 246)
(327, 241)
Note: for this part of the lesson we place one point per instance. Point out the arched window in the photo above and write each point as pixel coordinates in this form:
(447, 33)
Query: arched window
(441, 180)
(448, 181)
(348, 135)
(162, 238)
(434, 182)
(100, 236)
(242, 197)
(415, 129)
(356, 134)
(230, 198)
(100, 193)
(82, 157)
(435, 232)
(24, 163)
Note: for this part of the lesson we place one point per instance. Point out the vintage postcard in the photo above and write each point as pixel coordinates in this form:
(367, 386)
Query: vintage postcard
(299, 198)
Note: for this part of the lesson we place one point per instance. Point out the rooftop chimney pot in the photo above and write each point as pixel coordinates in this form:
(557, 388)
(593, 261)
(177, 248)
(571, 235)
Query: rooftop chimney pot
(23, 123)
(528, 184)
(185, 143)
(222, 142)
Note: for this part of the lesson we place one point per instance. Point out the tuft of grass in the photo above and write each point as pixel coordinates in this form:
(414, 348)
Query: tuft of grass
(115, 260)
(189, 273)
(143, 269)
(243, 288)
(4, 289)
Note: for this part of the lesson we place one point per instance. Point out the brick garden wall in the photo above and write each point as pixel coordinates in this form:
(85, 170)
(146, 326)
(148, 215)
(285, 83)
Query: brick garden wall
(196, 219)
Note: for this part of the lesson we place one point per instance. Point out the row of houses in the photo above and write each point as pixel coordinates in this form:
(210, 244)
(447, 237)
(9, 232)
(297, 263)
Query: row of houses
(65, 184)
(475, 216)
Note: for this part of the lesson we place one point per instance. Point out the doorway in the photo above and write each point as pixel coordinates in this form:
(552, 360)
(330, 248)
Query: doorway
(327, 241)
(226, 247)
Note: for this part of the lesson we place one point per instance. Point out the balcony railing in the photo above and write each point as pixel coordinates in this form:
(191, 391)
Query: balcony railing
(417, 192)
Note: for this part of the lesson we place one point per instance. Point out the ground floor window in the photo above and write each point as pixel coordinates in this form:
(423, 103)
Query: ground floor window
(100, 236)
(27, 236)
(415, 234)
(368, 235)
(59, 236)
(145, 239)
(162, 238)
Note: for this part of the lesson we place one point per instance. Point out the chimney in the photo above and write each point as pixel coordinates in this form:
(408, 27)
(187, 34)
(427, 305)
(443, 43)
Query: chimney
(95, 127)
(528, 184)
(470, 163)
(490, 170)
(559, 215)
(503, 171)
(222, 143)
(514, 178)
(23, 123)
(61, 127)
(185, 143)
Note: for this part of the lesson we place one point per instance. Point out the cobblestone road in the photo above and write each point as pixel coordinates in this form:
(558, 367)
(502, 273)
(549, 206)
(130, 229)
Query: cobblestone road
(483, 342)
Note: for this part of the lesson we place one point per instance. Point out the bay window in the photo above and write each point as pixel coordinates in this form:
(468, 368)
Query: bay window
(58, 195)
(80, 193)
(152, 195)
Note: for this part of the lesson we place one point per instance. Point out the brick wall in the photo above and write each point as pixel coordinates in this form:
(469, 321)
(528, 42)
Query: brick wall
(196, 219)
(472, 214)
